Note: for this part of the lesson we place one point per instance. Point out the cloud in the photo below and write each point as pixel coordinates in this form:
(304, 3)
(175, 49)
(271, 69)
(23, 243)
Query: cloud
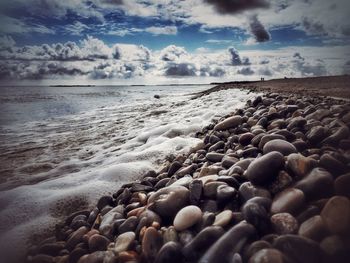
(10, 25)
(246, 71)
(219, 41)
(181, 69)
(236, 59)
(173, 53)
(233, 7)
(77, 28)
(306, 68)
(6, 42)
(258, 30)
(166, 30)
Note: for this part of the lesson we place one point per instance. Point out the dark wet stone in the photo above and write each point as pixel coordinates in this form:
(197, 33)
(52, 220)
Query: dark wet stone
(307, 213)
(231, 122)
(318, 114)
(287, 134)
(298, 249)
(186, 170)
(228, 161)
(284, 223)
(166, 202)
(280, 146)
(267, 255)
(288, 201)
(269, 137)
(334, 166)
(174, 167)
(129, 224)
(162, 183)
(313, 228)
(106, 226)
(317, 134)
(208, 219)
(250, 152)
(98, 243)
(51, 249)
(214, 157)
(104, 201)
(93, 215)
(300, 145)
(255, 212)
(76, 254)
(225, 192)
(335, 248)
(230, 243)
(342, 185)
(124, 197)
(169, 253)
(137, 187)
(255, 247)
(76, 237)
(296, 122)
(256, 101)
(247, 191)
(196, 189)
(336, 215)
(150, 216)
(245, 138)
(281, 182)
(151, 243)
(185, 237)
(210, 189)
(216, 146)
(299, 165)
(264, 169)
(342, 133)
(202, 241)
(213, 139)
(209, 205)
(96, 257)
(317, 184)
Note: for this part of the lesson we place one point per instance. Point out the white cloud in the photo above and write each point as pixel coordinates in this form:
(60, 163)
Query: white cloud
(13, 25)
(166, 30)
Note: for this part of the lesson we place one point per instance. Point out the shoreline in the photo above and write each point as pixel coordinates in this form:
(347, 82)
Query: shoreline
(270, 173)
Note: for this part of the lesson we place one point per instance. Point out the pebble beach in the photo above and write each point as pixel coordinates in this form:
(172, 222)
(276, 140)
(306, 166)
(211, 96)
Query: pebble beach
(269, 182)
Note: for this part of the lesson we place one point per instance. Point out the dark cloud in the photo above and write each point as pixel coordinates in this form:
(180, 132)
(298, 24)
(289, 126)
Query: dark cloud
(181, 69)
(265, 72)
(246, 71)
(313, 27)
(258, 30)
(314, 68)
(236, 6)
(207, 71)
(264, 61)
(298, 56)
(236, 59)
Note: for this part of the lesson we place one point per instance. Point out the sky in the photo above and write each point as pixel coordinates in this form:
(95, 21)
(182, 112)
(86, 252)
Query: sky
(166, 41)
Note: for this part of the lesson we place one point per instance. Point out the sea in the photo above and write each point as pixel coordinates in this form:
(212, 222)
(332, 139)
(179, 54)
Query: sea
(63, 147)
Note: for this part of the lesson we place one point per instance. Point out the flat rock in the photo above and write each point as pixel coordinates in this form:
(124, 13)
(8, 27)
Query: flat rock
(187, 217)
(231, 122)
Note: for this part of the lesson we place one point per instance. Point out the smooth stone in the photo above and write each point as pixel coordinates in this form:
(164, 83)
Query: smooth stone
(255, 247)
(76, 254)
(151, 243)
(51, 249)
(208, 178)
(341, 133)
(244, 164)
(228, 161)
(213, 139)
(201, 242)
(336, 215)
(317, 184)
(130, 224)
(161, 183)
(216, 146)
(289, 200)
(332, 245)
(210, 189)
(123, 241)
(98, 243)
(245, 138)
(76, 237)
(313, 228)
(296, 122)
(214, 157)
(255, 212)
(184, 181)
(225, 192)
(209, 205)
(174, 167)
(150, 216)
(208, 219)
(170, 234)
(332, 165)
(231, 122)
(316, 134)
(187, 217)
(167, 201)
(247, 191)
(231, 181)
(280, 146)
(106, 225)
(196, 189)
(298, 249)
(342, 185)
(269, 137)
(262, 170)
(299, 165)
(40, 258)
(223, 218)
(284, 223)
(104, 201)
(290, 136)
(250, 152)
(185, 237)
(267, 255)
(169, 253)
(97, 257)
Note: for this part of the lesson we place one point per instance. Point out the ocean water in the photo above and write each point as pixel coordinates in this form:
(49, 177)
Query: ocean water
(61, 148)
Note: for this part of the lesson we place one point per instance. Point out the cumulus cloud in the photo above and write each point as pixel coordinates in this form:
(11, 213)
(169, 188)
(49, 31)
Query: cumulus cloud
(246, 71)
(172, 53)
(233, 7)
(166, 30)
(307, 68)
(258, 30)
(236, 59)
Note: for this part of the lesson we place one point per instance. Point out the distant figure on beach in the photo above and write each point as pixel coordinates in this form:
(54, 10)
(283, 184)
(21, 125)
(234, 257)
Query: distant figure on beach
(262, 79)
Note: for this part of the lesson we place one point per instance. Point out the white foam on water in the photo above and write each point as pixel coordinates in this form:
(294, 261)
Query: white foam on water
(76, 159)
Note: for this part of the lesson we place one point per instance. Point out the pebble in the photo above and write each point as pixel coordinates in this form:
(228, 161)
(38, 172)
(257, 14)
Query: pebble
(267, 255)
(223, 218)
(231, 122)
(313, 228)
(289, 200)
(342, 185)
(76, 237)
(123, 241)
(98, 243)
(336, 215)
(284, 223)
(298, 249)
(230, 243)
(280, 146)
(170, 234)
(169, 253)
(247, 191)
(167, 201)
(187, 217)
(214, 157)
(269, 137)
(299, 165)
(225, 192)
(255, 247)
(151, 243)
(317, 184)
(262, 170)
(332, 165)
(174, 167)
(196, 189)
(210, 189)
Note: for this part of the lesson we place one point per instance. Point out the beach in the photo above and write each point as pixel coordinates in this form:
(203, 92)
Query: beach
(268, 177)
